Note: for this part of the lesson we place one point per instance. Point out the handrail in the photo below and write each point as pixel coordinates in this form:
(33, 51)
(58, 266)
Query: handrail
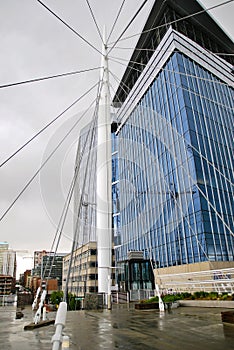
(59, 324)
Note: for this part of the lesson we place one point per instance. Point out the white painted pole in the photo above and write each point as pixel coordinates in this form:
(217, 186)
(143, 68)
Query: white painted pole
(60, 321)
(161, 303)
(37, 317)
(34, 304)
(44, 314)
(104, 178)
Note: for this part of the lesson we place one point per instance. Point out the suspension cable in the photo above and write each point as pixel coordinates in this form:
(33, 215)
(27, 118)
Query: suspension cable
(190, 177)
(202, 193)
(75, 238)
(63, 215)
(113, 90)
(128, 25)
(47, 78)
(76, 225)
(47, 125)
(39, 169)
(116, 19)
(175, 199)
(120, 84)
(175, 21)
(195, 183)
(180, 73)
(181, 210)
(179, 205)
(68, 26)
(82, 243)
(167, 70)
(94, 19)
(189, 144)
(165, 50)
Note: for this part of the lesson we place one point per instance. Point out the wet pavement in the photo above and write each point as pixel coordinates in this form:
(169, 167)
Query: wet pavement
(184, 328)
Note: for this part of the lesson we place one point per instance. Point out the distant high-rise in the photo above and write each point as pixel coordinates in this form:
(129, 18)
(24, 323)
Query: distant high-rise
(7, 260)
(37, 257)
(3, 247)
(7, 269)
(176, 148)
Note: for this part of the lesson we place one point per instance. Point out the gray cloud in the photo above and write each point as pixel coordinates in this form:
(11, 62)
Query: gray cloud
(34, 44)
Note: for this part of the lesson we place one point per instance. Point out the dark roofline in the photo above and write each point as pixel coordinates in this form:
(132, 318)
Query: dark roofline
(203, 20)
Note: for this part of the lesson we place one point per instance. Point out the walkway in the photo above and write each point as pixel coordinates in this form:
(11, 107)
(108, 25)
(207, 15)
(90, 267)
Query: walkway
(124, 328)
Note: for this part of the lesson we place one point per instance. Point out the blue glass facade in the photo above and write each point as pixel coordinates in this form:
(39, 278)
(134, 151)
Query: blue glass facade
(176, 169)
(85, 188)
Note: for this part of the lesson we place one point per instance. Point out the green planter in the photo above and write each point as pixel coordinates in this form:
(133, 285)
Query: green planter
(146, 306)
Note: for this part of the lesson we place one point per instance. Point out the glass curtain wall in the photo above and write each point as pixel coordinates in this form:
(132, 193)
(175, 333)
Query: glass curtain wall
(176, 169)
(85, 211)
(172, 18)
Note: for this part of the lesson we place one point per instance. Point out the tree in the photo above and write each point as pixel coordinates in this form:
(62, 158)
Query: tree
(56, 297)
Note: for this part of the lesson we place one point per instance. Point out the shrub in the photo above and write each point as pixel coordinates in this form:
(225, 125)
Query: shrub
(197, 295)
(213, 295)
(170, 298)
(151, 300)
(73, 303)
(204, 295)
(186, 295)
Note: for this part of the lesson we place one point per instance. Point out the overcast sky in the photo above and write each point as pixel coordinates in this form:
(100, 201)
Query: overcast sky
(35, 44)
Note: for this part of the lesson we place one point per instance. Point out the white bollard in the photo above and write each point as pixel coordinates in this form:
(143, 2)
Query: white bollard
(65, 343)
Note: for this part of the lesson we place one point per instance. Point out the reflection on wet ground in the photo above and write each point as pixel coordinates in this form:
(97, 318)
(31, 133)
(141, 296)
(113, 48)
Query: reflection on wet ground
(123, 328)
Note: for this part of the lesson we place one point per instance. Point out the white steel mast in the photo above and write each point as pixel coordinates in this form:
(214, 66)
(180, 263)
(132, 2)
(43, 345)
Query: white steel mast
(104, 178)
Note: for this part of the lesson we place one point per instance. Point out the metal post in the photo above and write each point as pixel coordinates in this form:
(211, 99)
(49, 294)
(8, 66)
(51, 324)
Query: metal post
(104, 178)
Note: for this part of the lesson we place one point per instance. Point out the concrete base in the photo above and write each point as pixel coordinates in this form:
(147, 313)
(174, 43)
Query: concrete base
(32, 325)
(207, 303)
(228, 317)
(146, 306)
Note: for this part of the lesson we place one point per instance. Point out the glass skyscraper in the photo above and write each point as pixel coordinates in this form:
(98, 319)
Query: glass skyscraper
(85, 212)
(175, 146)
(85, 186)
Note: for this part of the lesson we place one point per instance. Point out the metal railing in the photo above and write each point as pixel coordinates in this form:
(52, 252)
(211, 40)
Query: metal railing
(120, 297)
(140, 294)
(221, 281)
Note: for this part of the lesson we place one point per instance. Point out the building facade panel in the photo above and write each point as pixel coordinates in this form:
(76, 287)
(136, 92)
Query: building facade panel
(176, 168)
(178, 15)
(85, 187)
